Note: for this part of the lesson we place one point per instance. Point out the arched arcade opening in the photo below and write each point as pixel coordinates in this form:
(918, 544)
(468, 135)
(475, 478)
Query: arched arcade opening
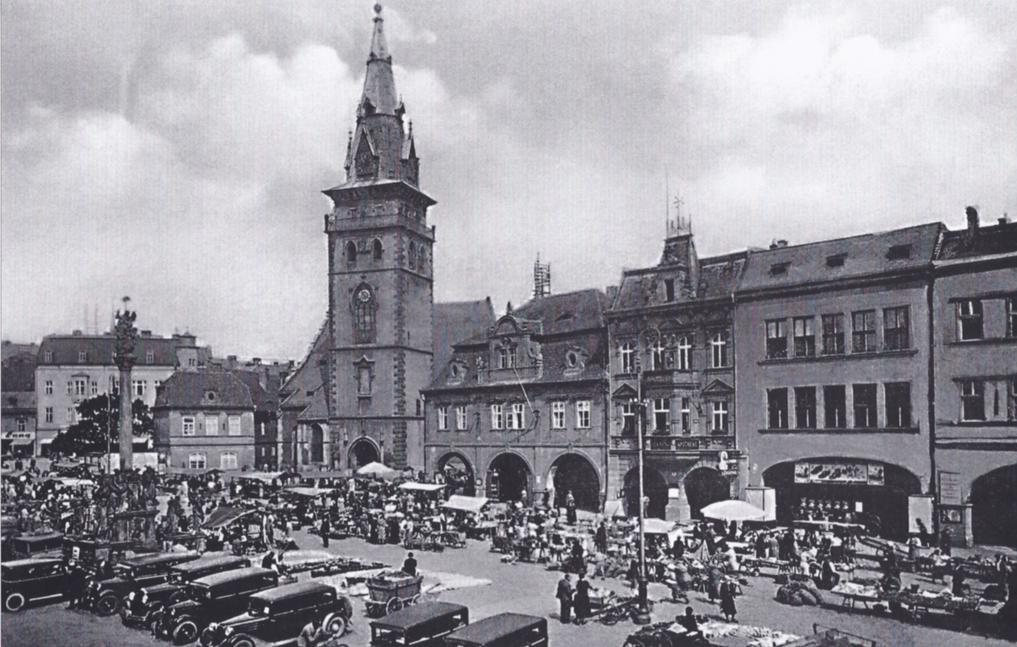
(362, 452)
(703, 486)
(458, 474)
(654, 489)
(509, 478)
(574, 473)
(994, 507)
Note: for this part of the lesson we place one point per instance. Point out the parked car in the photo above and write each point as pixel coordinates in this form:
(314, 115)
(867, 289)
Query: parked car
(277, 616)
(502, 630)
(36, 544)
(143, 606)
(105, 596)
(420, 625)
(212, 598)
(28, 580)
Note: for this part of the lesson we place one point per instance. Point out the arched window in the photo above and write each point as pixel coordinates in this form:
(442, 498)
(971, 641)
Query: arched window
(351, 254)
(376, 248)
(412, 259)
(364, 307)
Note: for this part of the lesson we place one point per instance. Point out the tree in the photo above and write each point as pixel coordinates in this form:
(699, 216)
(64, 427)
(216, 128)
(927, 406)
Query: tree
(98, 423)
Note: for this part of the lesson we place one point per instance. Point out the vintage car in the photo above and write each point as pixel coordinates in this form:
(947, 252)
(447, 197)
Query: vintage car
(276, 616)
(419, 625)
(143, 606)
(210, 599)
(105, 596)
(28, 580)
(87, 551)
(35, 544)
(502, 630)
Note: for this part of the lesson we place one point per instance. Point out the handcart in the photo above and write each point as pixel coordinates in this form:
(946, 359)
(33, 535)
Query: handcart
(501, 541)
(424, 539)
(452, 539)
(388, 592)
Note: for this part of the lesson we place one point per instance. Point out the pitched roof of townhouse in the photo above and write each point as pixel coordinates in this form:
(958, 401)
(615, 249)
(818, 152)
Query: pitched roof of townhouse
(11, 349)
(991, 240)
(204, 388)
(854, 257)
(61, 350)
(455, 321)
(298, 389)
(18, 373)
(718, 277)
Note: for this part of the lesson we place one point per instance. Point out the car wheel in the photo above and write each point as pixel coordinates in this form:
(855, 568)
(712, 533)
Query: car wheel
(335, 624)
(242, 641)
(393, 605)
(185, 632)
(14, 602)
(107, 605)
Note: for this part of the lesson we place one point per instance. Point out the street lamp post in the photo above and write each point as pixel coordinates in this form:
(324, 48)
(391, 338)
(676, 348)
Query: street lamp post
(642, 613)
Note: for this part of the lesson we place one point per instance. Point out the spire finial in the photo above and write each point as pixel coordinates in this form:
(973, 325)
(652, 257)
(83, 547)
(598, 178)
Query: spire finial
(377, 10)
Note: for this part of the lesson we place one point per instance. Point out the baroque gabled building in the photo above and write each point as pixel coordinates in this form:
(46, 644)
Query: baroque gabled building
(380, 279)
(672, 362)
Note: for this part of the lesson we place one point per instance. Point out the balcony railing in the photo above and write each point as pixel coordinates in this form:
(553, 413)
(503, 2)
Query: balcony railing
(669, 443)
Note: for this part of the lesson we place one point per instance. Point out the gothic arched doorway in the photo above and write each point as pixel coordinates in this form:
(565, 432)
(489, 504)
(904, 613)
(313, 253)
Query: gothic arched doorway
(574, 473)
(654, 488)
(703, 486)
(362, 452)
(508, 477)
(458, 474)
(994, 507)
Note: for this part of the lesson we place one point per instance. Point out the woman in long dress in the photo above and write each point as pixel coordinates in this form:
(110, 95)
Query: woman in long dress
(581, 599)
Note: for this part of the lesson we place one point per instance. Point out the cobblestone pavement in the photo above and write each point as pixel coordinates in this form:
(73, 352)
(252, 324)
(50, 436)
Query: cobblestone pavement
(524, 588)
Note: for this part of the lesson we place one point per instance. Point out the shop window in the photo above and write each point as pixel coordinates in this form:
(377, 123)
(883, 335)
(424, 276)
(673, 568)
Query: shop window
(833, 334)
(835, 406)
(661, 415)
(805, 337)
(686, 415)
(188, 425)
(776, 339)
(628, 411)
(865, 406)
(497, 417)
(896, 331)
(583, 414)
(627, 353)
(776, 408)
(972, 400)
(805, 407)
(863, 331)
(898, 404)
(684, 353)
(718, 349)
(442, 418)
(969, 320)
(461, 422)
(720, 417)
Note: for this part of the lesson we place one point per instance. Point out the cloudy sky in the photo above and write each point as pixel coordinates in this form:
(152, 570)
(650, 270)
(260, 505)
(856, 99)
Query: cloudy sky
(175, 151)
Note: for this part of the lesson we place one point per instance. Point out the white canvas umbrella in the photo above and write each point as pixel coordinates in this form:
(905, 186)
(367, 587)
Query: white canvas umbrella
(378, 469)
(733, 510)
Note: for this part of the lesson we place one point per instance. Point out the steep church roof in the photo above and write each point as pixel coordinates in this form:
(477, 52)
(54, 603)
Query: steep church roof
(456, 321)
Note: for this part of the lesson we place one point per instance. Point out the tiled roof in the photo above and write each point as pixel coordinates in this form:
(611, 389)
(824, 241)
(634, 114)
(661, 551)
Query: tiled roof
(190, 389)
(11, 349)
(567, 312)
(995, 239)
(317, 409)
(264, 389)
(99, 350)
(899, 250)
(18, 373)
(456, 321)
(307, 377)
(718, 277)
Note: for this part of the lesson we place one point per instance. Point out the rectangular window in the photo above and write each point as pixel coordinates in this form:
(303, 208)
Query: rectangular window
(805, 338)
(972, 400)
(196, 461)
(71, 413)
(969, 320)
(82, 356)
(80, 385)
(863, 331)
(233, 425)
(684, 353)
(211, 425)
(776, 408)
(718, 349)
(49, 387)
(228, 461)
(865, 406)
(719, 413)
(461, 421)
(661, 415)
(583, 414)
(95, 387)
(47, 356)
(686, 414)
(627, 353)
(896, 329)
(188, 428)
(49, 414)
(139, 387)
(149, 357)
(22, 425)
(833, 334)
(898, 404)
(443, 418)
(776, 339)
(835, 407)
(669, 290)
(70, 387)
(1011, 316)
(628, 411)
(557, 415)
(661, 357)
(506, 357)
(497, 417)
(1011, 399)
(805, 407)
(517, 417)
(363, 380)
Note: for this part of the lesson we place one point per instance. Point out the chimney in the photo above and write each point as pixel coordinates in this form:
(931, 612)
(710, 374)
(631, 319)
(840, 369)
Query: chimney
(146, 333)
(972, 214)
(76, 333)
(256, 360)
(1004, 219)
(778, 243)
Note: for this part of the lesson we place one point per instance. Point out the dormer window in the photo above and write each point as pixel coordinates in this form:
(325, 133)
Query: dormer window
(669, 290)
(506, 357)
(779, 269)
(899, 252)
(835, 260)
(210, 396)
(571, 359)
(149, 357)
(82, 356)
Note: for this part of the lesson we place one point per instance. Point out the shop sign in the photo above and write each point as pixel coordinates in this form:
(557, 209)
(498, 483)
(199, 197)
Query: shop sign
(832, 472)
(949, 488)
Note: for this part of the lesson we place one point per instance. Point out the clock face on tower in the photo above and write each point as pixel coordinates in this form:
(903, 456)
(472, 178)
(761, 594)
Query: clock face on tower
(364, 295)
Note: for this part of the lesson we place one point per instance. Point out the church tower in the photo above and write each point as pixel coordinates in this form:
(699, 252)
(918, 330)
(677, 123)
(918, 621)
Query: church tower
(380, 282)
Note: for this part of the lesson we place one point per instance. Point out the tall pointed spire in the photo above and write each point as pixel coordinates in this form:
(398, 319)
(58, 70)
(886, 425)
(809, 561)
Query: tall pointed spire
(379, 96)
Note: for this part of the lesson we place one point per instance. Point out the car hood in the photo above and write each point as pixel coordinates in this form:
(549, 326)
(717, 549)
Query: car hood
(243, 622)
(161, 590)
(183, 606)
(115, 583)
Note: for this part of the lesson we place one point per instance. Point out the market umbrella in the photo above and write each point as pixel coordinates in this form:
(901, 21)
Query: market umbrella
(378, 469)
(733, 510)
